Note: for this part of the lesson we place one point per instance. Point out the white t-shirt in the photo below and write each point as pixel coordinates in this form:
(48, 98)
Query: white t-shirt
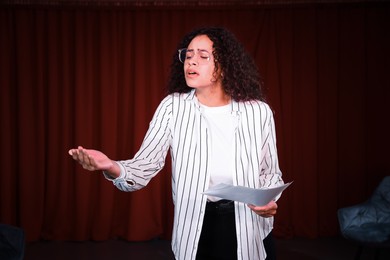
(220, 123)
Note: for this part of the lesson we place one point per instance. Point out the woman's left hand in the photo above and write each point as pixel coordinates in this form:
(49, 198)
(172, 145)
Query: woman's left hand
(265, 211)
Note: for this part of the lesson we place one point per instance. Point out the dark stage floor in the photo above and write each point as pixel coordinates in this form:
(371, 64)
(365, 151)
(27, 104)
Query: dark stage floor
(297, 248)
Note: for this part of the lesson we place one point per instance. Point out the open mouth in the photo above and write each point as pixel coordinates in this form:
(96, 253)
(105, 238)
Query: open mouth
(192, 73)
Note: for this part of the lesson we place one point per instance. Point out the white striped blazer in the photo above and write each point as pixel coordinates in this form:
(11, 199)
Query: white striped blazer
(178, 125)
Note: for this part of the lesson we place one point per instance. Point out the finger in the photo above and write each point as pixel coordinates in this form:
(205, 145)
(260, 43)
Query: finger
(88, 160)
(91, 162)
(79, 156)
(270, 213)
(84, 154)
(250, 206)
(257, 208)
(73, 153)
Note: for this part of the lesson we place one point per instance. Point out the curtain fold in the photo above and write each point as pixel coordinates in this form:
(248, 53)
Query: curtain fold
(94, 76)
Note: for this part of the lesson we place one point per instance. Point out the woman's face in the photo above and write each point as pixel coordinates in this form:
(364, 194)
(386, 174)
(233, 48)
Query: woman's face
(199, 63)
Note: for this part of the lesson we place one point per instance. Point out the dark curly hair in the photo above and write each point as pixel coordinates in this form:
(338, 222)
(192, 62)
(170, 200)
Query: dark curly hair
(241, 78)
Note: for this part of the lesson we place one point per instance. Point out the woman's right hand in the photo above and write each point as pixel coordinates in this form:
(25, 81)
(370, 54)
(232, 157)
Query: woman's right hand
(94, 160)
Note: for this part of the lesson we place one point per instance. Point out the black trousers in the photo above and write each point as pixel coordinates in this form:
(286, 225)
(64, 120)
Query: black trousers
(12, 240)
(218, 238)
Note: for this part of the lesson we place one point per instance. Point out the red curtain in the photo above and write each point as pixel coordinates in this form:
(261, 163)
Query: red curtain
(93, 75)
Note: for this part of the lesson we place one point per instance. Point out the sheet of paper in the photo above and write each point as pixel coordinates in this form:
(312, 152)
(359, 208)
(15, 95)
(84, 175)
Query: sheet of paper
(258, 197)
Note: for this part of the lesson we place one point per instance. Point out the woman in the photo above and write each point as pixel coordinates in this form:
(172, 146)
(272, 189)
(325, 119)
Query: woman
(218, 129)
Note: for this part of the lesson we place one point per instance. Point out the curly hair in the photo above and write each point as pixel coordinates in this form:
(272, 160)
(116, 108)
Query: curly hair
(241, 79)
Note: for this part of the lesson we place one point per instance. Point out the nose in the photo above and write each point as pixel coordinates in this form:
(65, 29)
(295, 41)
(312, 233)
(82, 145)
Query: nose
(193, 62)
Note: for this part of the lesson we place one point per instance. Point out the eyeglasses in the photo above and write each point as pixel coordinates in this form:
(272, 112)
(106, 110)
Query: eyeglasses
(189, 54)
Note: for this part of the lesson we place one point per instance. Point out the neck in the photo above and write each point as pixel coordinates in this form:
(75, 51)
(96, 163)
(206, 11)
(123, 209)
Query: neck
(212, 98)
